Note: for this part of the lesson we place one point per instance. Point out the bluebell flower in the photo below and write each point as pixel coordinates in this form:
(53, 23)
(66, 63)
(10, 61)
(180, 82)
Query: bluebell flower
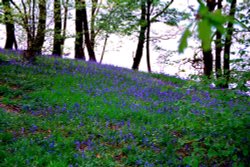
(52, 144)
(33, 128)
(139, 162)
(22, 130)
(76, 155)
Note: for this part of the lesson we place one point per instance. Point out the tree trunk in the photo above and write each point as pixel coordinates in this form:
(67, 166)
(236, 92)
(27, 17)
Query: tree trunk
(30, 29)
(228, 43)
(104, 47)
(207, 54)
(35, 36)
(79, 53)
(25, 17)
(141, 39)
(218, 48)
(148, 35)
(10, 27)
(41, 28)
(211, 4)
(92, 22)
(86, 33)
(208, 62)
(65, 6)
(33, 29)
(57, 29)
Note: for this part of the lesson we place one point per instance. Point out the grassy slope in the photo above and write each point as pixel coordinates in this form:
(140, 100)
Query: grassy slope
(70, 113)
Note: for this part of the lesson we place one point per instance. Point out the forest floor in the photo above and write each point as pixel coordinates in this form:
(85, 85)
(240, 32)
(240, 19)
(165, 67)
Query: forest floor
(72, 113)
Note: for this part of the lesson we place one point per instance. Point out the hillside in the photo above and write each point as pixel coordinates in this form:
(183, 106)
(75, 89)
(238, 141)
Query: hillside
(71, 113)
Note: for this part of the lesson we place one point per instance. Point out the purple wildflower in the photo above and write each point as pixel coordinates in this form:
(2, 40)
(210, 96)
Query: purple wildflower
(33, 128)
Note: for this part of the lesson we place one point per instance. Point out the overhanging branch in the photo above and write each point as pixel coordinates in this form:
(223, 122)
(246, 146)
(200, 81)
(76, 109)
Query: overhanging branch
(161, 12)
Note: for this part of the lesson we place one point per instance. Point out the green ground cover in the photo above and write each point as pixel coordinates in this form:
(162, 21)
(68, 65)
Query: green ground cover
(71, 113)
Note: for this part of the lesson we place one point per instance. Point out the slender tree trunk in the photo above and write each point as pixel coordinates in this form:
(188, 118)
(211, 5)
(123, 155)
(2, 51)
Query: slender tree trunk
(208, 62)
(79, 53)
(33, 29)
(35, 36)
(29, 22)
(218, 48)
(41, 27)
(148, 35)
(92, 22)
(218, 51)
(65, 6)
(228, 43)
(104, 48)
(25, 17)
(141, 39)
(57, 29)
(86, 34)
(10, 27)
(207, 54)
(30, 18)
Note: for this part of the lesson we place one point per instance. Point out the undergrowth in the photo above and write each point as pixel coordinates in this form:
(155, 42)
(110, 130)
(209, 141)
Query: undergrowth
(72, 113)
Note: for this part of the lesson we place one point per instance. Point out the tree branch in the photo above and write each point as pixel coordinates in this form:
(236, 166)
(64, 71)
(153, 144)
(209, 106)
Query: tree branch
(161, 12)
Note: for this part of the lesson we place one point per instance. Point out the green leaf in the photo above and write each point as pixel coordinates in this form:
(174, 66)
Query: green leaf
(171, 22)
(212, 153)
(245, 151)
(1, 19)
(217, 20)
(183, 41)
(204, 33)
(203, 10)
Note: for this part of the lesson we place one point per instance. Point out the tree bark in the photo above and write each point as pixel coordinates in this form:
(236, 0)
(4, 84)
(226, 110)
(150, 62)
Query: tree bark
(218, 47)
(86, 34)
(104, 47)
(57, 29)
(148, 35)
(228, 43)
(79, 53)
(25, 19)
(211, 4)
(65, 6)
(92, 22)
(141, 39)
(208, 62)
(30, 28)
(35, 36)
(10, 27)
(207, 54)
(41, 28)
(33, 25)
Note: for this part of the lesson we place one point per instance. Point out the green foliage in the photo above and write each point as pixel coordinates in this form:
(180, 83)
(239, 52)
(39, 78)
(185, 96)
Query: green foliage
(173, 17)
(204, 34)
(121, 16)
(1, 14)
(183, 41)
(217, 19)
(1, 19)
(118, 12)
(206, 22)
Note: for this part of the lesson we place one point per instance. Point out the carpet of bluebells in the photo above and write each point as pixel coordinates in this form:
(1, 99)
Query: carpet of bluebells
(71, 113)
